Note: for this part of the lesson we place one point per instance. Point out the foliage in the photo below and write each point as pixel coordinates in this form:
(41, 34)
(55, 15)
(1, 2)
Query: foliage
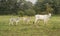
(21, 13)
(15, 6)
(30, 12)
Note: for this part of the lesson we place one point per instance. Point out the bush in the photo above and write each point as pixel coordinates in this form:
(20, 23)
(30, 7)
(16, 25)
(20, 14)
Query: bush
(30, 12)
(21, 13)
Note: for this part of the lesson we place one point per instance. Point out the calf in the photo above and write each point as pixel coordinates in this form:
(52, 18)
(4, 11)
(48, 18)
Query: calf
(26, 19)
(14, 20)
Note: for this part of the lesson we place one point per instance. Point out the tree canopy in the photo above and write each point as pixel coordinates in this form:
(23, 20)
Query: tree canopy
(22, 7)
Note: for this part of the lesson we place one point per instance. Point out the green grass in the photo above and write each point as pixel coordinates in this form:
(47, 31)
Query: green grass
(40, 29)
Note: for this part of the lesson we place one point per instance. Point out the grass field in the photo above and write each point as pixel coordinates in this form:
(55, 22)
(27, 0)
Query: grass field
(40, 29)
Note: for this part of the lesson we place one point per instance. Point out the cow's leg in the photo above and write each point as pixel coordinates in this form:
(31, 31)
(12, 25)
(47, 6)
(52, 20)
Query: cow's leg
(9, 23)
(12, 23)
(36, 20)
(16, 23)
(45, 21)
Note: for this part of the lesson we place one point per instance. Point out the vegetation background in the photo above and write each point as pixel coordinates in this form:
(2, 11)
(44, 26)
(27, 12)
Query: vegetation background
(22, 7)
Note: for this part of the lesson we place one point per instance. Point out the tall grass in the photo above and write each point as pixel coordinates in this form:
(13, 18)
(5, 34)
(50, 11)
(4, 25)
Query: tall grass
(22, 29)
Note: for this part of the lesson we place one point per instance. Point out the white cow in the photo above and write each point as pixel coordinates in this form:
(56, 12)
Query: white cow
(45, 18)
(14, 20)
(26, 19)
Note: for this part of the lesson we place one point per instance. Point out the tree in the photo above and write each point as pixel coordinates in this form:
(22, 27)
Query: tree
(30, 12)
(39, 7)
(55, 5)
(48, 8)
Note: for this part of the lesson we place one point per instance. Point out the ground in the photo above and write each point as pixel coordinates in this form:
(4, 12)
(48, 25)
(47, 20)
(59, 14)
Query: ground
(52, 28)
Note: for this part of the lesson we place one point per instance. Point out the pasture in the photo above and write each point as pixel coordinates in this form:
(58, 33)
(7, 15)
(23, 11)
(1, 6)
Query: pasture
(22, 29)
